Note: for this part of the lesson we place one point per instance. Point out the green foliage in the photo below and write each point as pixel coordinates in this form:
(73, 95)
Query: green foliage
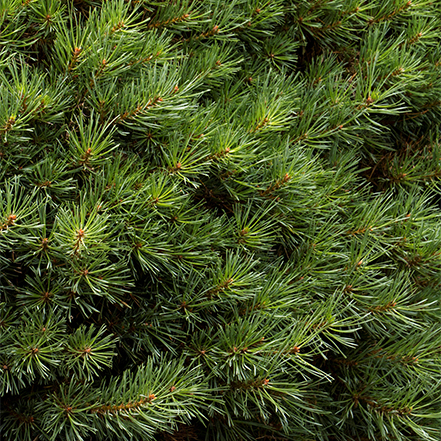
(220, 220)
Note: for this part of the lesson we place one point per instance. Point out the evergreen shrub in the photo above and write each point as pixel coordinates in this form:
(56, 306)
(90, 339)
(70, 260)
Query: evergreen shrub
(220, 220)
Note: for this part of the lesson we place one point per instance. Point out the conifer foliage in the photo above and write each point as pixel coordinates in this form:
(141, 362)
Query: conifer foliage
(220, 220)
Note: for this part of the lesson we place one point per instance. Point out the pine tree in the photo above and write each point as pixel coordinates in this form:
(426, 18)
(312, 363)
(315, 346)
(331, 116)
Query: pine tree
(220, 220)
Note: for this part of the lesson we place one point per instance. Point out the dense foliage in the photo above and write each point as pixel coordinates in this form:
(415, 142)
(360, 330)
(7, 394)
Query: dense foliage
(220, 220)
